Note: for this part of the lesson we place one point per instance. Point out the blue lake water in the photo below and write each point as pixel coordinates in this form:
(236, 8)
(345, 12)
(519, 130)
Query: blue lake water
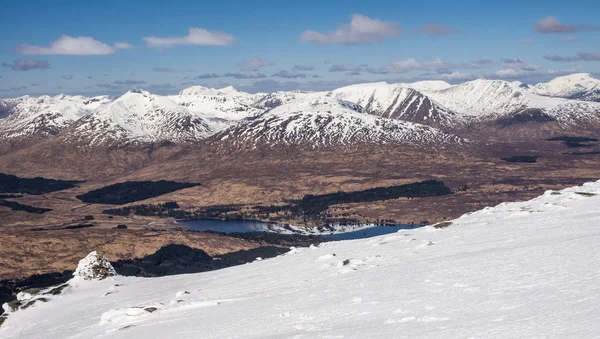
(244, 226)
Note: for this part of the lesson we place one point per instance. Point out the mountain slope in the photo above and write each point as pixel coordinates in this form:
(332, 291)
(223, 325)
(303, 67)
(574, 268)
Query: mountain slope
(276, 99)
(396, 101)
(27, 116)
(491, 99)
(325, 122)
(225, 104)
(580, 86)
(137, 117)
(518, 270)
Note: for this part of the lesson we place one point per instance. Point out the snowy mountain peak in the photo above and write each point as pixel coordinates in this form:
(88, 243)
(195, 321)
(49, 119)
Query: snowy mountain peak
(579, 86)
(327, 121)
(138, 116)
(398, 101)
(427, 85)
(229, 90)
(26, 116)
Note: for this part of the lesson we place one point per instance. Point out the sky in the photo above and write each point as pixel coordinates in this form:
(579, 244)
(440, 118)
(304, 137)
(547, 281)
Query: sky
(109, 47)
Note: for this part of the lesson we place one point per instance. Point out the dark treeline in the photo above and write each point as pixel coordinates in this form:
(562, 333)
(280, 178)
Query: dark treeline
(318, 203)
(10, 196)
(159, 210)
(15, 206)
(309, 208)
(36, 186)
(522, 158)
(575, 142)
(573, 139)
(130, 191)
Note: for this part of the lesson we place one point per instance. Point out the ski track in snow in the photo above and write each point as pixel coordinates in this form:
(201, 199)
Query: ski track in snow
(518, 270)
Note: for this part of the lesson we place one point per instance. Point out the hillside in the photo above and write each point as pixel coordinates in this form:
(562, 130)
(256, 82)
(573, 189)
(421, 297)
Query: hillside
(525, 269)
(137, 117)
(325, 122)
(400, 102)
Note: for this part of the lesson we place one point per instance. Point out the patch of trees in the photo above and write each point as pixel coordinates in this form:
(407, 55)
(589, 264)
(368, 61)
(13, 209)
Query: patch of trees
(584, 153)
(522, 158)
(309, 208)
(10, 196)
(15, 206)
(159, 210)
(130, 191)
(573, 139)
(311, 204)
(36, 186)
(179, 259)
(575, 142)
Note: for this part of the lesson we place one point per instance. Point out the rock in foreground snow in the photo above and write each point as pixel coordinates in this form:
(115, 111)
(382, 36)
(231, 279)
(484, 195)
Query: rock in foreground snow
(94, 267)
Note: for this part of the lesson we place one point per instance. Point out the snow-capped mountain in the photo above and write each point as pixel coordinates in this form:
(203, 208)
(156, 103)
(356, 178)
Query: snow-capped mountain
(519, 270)
(580, 86)
(138, 116)
(427, 85)
(276, 99)
(222, 107)
(490, 99)
(398, 101)
(27, 116)
(327, 121)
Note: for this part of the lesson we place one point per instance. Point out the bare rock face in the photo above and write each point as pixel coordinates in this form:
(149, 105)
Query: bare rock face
(94, 267)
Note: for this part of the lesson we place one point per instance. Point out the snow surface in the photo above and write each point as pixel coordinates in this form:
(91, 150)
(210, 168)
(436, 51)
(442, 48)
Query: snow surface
(399, 101)
(326, 121)
(138, 116)
(581, 86)
(518, 270)
(26, 116)
(488, 99)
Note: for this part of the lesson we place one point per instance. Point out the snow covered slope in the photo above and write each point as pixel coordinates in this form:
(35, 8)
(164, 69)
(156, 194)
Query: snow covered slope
(326, 121)
(517, 270)
(580, 86)
(396, 101)
(427, 85)
(28, 116)
(489, 99)
(276, 99)
(138, 116)
(224, 103)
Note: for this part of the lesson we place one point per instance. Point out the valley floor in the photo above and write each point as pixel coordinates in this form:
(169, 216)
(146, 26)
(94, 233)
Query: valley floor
(517, 270)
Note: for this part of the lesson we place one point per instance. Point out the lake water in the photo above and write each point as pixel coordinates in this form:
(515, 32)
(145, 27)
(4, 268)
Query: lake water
(244, 226)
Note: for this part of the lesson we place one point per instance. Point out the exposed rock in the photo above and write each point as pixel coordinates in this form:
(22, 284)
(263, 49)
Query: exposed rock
(94, 267)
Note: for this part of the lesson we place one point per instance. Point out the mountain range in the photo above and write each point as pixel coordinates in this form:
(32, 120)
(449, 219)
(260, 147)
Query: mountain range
(427, 112)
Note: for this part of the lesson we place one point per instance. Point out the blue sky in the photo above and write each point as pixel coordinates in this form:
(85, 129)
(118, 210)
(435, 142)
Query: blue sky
(95, 47)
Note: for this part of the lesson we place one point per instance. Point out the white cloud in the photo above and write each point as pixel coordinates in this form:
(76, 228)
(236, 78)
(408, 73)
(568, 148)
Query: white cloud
(361, 30)
(122, 45)
(289, 74)
(254, 63)
(196, 36)
(68, 45)
(551, 24)
(248, 75)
